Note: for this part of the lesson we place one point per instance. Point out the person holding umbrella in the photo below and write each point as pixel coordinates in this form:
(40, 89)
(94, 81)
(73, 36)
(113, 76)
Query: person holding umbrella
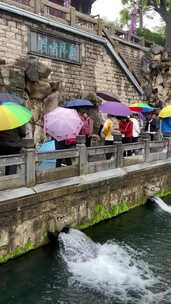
(87, 128)
(151, 126)
(126, 129)
(82, 105)
(13, 118)
(63, 125)
(107, 131)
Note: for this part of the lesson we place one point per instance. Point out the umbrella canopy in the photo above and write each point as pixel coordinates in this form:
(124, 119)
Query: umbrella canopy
(166, 125)
(107, 96)
(78, 103)
(13, 116)
(62, 123)
(166, 112)
(47, 147)
(6, 97)
(115, 109)
(141, 107)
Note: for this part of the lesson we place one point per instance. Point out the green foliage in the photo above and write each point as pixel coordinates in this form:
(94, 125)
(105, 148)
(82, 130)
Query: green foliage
(149, 3)
(124, 16)
(16, 253)
(156, 37)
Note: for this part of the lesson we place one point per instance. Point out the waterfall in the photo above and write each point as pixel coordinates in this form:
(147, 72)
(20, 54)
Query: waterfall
(161, 204)
(111, 269)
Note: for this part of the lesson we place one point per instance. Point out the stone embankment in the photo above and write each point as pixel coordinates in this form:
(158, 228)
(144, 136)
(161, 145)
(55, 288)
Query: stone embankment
(27, 214)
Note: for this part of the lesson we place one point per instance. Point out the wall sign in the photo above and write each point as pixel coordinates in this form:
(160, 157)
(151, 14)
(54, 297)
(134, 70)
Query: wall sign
(55, 48)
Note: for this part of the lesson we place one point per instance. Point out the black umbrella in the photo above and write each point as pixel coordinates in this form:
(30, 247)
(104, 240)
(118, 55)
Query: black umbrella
(107, 96)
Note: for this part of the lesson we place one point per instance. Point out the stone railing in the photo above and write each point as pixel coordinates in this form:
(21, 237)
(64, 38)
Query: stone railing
(73, 17)
(83, 161)
(54, 11)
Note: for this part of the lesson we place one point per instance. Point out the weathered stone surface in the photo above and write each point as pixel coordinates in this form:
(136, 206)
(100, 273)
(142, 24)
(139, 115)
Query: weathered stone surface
(156, 74)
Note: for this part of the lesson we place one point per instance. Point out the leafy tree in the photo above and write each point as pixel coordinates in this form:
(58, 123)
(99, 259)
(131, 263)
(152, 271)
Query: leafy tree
(162, 7)
(156, 37)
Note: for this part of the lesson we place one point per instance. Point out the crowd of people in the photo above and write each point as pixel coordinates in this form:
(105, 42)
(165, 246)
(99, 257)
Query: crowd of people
(112, 129)
(130, 128)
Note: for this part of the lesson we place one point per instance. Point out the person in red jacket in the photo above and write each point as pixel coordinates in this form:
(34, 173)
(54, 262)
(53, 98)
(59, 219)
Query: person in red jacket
(126, 129)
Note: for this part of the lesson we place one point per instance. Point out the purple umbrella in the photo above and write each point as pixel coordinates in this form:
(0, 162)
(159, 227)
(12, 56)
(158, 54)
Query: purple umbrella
(115, 109)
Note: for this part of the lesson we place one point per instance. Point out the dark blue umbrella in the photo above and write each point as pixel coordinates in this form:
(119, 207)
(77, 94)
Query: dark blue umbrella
(78, 103)
(7, 97)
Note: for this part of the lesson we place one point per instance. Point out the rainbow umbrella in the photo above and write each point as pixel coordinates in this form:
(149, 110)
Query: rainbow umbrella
(165, 112)
(141, 107)
(13, 116)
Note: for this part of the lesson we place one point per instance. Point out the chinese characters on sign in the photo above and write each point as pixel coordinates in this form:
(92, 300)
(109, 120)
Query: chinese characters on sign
(55, 48)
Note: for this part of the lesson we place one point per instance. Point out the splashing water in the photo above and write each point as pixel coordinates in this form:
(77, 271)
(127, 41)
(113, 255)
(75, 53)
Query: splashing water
(161, 204)
(115, 271)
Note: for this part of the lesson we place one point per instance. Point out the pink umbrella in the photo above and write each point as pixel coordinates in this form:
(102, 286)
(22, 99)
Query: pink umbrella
(62, 123)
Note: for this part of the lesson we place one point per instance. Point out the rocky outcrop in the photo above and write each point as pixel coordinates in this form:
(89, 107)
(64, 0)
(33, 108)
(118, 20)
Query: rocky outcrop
(31, 79)
(156, 71)
(43, 95)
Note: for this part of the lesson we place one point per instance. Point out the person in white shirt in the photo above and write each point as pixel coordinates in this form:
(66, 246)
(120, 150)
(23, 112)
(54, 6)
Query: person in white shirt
(136, 128)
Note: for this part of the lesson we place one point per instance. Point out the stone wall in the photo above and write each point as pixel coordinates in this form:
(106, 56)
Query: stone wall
(27, 214)
(97, 71)
(133, 56)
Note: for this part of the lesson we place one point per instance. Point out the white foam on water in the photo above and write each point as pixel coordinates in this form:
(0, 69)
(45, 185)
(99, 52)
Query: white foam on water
(116, 271)
(161, 204)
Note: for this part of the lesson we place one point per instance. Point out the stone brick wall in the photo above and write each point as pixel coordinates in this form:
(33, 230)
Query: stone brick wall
(133, 56)
(98, 71)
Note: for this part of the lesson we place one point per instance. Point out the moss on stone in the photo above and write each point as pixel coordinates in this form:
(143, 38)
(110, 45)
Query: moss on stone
(101, 213)
(17, 252)
(23, 250)
(164, 193)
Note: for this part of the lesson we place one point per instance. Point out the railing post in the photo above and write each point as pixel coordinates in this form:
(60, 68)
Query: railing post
(37, 6)
(119, 155)
(72, 16)
(83, 155)
(169, 147)
(99, 27)
(30, 164)
(146, 150)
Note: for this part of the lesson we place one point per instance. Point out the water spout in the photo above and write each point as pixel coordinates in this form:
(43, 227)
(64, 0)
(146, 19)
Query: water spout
(161, 204)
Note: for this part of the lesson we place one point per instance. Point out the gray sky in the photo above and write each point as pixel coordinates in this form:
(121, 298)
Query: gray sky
(110, 9)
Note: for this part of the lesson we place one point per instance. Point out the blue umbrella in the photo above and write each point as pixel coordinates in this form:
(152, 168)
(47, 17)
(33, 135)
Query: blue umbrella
(148, 110)
(78, 103)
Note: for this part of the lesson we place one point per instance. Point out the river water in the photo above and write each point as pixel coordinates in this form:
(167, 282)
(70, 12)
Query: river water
(126, 260)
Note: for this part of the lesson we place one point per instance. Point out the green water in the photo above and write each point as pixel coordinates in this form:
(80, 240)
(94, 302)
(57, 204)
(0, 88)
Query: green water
(43, 276)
